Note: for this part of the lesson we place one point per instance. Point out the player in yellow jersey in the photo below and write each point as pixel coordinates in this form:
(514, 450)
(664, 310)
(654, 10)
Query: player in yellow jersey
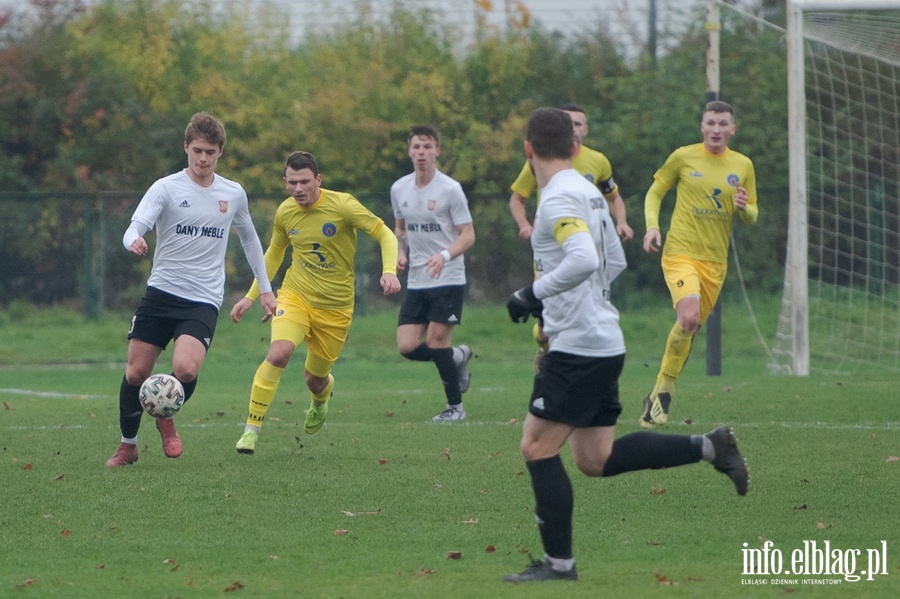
(593, 166)
(713, 182)
(315, 302)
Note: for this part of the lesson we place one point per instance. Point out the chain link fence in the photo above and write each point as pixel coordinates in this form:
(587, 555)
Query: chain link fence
(65, 249)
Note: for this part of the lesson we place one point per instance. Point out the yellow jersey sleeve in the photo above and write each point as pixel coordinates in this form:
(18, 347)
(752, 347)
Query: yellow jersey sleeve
(568, 226)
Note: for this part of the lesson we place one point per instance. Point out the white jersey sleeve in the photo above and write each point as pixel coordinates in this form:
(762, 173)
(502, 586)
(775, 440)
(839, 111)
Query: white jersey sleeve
(192, 226)
(578, 316)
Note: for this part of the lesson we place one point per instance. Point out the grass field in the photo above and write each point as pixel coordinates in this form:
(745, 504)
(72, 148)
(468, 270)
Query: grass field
(377, 503)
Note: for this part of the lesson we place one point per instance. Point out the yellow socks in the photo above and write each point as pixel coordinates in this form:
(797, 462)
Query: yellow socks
(265, 383)
(324, 394)
(678, 348)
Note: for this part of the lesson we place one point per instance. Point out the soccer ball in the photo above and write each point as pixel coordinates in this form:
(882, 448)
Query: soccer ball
(161, 395)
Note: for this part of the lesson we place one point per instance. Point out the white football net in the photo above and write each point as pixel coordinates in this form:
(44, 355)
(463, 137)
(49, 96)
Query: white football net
(853, 173)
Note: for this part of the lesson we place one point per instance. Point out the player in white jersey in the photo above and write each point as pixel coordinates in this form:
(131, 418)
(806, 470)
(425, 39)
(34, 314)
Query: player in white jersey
(434, 228)
(576, 393)
(193, 211)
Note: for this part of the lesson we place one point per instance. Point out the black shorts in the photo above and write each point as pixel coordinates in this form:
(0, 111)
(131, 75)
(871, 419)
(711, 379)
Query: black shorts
(577, 390)
(439, 304)
(161, 317)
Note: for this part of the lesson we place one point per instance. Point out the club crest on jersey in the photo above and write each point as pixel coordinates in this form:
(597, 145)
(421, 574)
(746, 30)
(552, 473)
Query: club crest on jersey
(589, 177)
(432, 204)
(733, 180)
(329, 229)
(223, 206)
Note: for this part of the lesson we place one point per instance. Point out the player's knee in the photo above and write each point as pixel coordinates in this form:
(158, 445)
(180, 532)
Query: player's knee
(689, 322)
(406, 350)
(186, 373)
(136, 375)
(592, 467)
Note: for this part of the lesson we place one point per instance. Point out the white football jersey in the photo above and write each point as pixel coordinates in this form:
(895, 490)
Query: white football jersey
(192, 226)
(432, 214)
(580, 320)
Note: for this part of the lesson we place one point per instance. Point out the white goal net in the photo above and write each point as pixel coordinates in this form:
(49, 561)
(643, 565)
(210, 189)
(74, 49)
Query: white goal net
(849, 269)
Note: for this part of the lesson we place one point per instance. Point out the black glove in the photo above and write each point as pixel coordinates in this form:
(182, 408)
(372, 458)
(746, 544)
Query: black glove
(522, 303)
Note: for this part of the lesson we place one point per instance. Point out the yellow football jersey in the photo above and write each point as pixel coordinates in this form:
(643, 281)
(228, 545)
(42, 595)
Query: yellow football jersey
(323, 245)
(704, 210)
(593, 165)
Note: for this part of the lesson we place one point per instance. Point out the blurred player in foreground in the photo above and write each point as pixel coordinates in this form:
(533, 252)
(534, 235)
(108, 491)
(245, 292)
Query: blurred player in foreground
(576, 393)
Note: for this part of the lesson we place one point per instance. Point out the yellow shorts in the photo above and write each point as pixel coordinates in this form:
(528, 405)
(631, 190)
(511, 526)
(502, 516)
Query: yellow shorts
(323, 331)
(688, 277)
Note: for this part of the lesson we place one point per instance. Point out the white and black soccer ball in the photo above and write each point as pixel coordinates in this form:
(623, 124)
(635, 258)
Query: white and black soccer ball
(161, 395)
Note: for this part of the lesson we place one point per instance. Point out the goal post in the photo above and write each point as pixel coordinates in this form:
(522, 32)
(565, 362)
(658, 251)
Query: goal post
(841, 297)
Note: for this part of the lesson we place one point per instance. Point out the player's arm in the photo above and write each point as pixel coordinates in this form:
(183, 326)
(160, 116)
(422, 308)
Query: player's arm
(615, 257)
(619, 213)
(386, 239)
(517, 209)
(522, 188)
(610, 191)
(273, 259)
(745, 199)
(133, 240)
(652, 203)
(466, 238)
(579, 262)
(402, 244)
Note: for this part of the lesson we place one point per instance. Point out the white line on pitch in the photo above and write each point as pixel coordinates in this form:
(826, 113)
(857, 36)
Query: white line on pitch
(53, 394)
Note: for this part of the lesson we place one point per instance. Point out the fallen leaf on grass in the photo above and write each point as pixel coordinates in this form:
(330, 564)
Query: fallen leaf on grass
(512, 421)
(352, 514)
(471, 520)
(100, 566)
(663, 580)
(446, 453)
(27, 467)
(341, 531)
(382, 461)
(234, 586)
(60, 477)
(490, 549)
(423, 572)
(6, 407)
(657, 491)
(389, 414)
(65, 532)
(801, 507)
(25, 583)
(454, 555)
(892, 458)
(822, 525)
